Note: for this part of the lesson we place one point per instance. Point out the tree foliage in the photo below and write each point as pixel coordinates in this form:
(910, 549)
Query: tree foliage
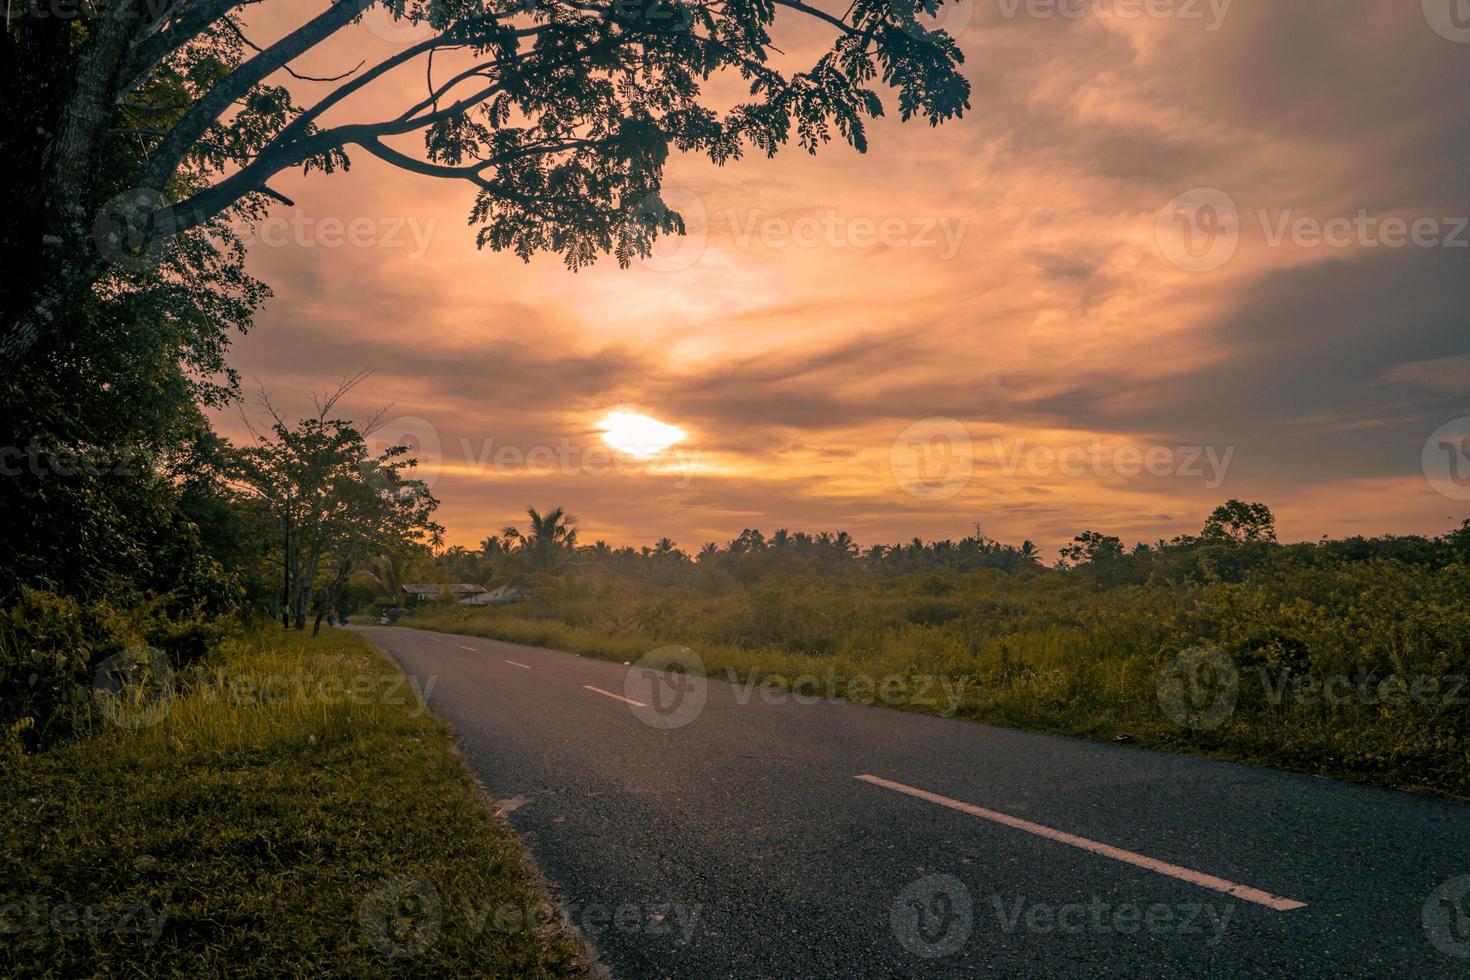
(138, 128)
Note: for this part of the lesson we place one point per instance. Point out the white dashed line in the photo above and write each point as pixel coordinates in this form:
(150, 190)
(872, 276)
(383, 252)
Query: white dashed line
(1106, 850)
(470, 649)
(515, 663)
(618, 697)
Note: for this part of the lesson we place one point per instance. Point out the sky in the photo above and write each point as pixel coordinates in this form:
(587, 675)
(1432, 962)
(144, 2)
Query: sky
(1175, 253)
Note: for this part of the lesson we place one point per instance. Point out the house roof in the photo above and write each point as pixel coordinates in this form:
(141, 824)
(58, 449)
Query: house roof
(460, 588)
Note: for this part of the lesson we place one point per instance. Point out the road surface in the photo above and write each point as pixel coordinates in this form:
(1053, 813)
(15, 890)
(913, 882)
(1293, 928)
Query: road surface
(767, 837)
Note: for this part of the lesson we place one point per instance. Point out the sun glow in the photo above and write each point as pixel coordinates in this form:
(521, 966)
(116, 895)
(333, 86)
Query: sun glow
(637, 434)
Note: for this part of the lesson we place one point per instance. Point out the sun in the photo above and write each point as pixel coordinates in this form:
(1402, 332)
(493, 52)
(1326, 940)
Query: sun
(637, 434)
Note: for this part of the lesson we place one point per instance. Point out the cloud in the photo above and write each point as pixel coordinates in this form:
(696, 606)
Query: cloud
(795, 362)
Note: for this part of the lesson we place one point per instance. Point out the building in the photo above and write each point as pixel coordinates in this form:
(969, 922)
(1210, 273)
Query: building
(428, 593)
(497, 595)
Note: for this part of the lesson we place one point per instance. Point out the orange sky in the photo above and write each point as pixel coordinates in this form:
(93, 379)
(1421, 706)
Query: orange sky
(999, 320)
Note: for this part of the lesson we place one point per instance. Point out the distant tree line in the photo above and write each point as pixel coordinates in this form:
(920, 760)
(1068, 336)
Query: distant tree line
(1236, 537)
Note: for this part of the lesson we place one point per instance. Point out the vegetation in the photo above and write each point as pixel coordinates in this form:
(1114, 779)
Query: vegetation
(262, 825)
(1081, 649)
(139, 129)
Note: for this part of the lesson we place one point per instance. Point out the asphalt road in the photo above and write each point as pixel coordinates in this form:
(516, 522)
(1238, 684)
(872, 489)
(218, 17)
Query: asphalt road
(743, 843)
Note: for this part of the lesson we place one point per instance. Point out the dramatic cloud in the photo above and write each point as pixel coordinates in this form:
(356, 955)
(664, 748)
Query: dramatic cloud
(1015, 272)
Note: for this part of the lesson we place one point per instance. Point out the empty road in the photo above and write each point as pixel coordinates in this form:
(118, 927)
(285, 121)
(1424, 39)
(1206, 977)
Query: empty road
(752, 835)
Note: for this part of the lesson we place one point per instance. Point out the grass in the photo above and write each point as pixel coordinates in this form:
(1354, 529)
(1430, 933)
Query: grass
(1069, 655)
(293, 810)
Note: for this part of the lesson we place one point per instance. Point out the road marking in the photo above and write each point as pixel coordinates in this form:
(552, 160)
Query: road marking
(1106, 850)
(619, 697)
(515, 663)
(470, 649)
(434, 638)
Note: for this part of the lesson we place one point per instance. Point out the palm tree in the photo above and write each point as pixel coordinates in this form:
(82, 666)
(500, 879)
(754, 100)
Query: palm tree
(388, 574)
(551, 542)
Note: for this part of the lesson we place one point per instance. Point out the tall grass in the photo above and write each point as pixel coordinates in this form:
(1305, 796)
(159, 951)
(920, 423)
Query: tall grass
(1070, 653)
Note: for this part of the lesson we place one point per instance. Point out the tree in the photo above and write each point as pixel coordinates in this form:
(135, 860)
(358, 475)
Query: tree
(1236, 522)
(1092, 548)
(137, 128)
(550, 542)
(337, 505)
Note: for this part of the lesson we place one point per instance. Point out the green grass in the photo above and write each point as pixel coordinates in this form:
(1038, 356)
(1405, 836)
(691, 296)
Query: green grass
(265, 825)
(1068, 655)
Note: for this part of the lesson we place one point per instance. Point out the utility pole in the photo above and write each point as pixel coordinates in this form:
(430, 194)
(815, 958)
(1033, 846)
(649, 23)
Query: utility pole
(286, 563)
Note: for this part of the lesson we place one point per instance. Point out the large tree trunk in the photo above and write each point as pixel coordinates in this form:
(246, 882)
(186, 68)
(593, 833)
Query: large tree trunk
(50, 256)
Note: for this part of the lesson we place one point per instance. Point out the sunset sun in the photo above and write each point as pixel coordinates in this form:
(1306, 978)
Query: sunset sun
(637, 434)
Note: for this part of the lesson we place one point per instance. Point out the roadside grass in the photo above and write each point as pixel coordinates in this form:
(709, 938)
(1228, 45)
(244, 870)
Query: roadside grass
(1049, 654)
(292, 810)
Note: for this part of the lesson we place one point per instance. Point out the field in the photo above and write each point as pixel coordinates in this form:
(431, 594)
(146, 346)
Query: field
(291, 810)
(1304, 661)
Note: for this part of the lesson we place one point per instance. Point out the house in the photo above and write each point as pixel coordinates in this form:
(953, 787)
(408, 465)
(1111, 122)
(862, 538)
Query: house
(428, 593)
(495, 596)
